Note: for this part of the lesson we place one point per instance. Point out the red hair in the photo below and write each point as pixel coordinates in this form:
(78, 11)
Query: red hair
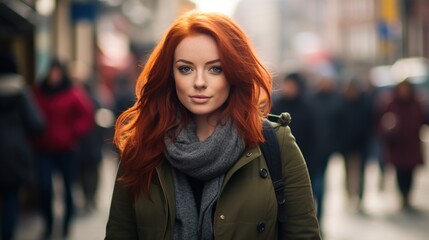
(141, 129)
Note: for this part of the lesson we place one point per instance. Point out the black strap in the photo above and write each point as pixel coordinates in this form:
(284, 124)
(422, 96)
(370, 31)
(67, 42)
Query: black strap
(271, 151)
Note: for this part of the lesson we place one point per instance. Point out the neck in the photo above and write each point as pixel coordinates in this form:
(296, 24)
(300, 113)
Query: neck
(205, 126)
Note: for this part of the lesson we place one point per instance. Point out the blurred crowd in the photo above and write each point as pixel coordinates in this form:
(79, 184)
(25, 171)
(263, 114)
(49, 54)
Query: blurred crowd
(347, 115)
(47, 130)
(55, 128)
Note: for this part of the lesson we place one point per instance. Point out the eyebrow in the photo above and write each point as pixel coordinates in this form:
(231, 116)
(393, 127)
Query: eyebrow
(189, 62)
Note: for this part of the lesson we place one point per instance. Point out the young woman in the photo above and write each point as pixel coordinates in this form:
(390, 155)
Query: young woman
(68, 113)
(190, 165)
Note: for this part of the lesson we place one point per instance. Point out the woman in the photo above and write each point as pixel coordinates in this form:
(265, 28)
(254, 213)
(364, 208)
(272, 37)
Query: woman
(68, 113)
(400, 123)
(190, 162)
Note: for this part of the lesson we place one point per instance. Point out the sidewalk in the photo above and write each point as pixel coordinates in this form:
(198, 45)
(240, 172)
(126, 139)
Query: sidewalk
(90, 226)
(382, 217)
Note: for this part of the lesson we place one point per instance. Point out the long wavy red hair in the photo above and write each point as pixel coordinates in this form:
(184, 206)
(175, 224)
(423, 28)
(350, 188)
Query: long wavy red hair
(141, 129)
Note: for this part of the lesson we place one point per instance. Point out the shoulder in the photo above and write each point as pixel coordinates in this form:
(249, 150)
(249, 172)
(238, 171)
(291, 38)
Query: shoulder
(78, 93)
(75, 90)
(283, 132)
(285, 138)
(290, 153)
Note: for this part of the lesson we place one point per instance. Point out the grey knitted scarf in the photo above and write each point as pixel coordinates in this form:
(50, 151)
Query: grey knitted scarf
(207, 161)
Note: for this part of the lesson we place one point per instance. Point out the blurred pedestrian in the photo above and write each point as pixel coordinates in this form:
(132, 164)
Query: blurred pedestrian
(293, 98)
(90, 156)
(326, 103)
(375, 97)
(69, 116)
(124, 94)
(19, 119)
(190, 166)
(355, 132)
(90, 146)
(399, 127)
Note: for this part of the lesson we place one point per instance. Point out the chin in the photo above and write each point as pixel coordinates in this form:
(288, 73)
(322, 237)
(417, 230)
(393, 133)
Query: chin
(200, 113)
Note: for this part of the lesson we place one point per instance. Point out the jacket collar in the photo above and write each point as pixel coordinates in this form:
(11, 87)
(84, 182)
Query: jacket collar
(166, 180)
(167, 185)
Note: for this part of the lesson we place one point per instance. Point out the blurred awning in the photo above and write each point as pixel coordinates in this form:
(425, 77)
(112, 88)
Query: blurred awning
(381, 76)
(415, 69)
(16, 18)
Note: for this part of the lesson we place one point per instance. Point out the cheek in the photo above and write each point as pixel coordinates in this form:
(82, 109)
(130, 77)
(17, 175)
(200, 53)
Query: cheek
(225, 92)
(180, 86)
(180, 90)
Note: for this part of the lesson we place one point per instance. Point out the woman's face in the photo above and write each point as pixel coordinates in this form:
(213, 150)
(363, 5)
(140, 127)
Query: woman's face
(404, 90)
(201, 85)
(290, 89)
(55, 76)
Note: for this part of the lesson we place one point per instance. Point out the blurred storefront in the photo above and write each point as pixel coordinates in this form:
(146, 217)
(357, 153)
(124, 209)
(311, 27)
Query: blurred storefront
(18, 19)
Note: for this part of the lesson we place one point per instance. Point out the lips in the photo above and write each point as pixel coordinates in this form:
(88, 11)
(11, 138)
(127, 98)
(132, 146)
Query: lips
(200, 99)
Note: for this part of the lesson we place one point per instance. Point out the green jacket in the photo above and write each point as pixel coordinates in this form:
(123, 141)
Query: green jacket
(246, 208)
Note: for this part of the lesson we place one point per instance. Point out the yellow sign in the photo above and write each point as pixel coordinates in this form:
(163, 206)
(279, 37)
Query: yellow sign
(389, 10)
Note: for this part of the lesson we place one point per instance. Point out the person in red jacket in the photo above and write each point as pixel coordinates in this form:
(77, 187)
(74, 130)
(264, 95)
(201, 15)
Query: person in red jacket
(68, 114)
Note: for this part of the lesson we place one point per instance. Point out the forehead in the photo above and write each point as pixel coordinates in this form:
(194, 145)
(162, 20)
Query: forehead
(196, 47)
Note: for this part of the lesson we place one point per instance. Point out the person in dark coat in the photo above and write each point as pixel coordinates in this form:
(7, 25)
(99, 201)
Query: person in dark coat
(326, 103)
(69, 116)
(399, 129)
(19, 118)
(294, 100)
(124, 94)
(355, 131)
(89, 155)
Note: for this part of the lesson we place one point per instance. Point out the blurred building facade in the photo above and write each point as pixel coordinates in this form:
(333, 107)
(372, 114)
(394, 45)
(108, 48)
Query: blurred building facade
(382, 31)
(359, 32)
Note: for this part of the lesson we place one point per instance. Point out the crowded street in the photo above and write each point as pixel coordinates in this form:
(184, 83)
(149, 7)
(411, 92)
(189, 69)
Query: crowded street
(178, 89)
(381, 218)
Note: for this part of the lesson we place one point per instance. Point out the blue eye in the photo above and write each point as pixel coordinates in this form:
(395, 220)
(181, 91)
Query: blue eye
(184, 69)
(216, 69)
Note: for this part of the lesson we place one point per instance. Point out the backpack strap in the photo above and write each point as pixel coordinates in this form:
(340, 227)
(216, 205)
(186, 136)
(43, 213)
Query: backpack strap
(271, 151)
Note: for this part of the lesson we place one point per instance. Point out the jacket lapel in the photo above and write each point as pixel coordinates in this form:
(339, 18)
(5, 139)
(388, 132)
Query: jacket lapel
(167, 185)
(248, 155)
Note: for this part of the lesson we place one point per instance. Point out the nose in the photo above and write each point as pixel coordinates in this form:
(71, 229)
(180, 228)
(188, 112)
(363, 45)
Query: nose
(200, 81)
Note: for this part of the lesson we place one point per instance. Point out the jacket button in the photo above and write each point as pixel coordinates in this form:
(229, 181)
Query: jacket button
(222, 217)
(263, 172)
(248, 154)
(261, 227)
